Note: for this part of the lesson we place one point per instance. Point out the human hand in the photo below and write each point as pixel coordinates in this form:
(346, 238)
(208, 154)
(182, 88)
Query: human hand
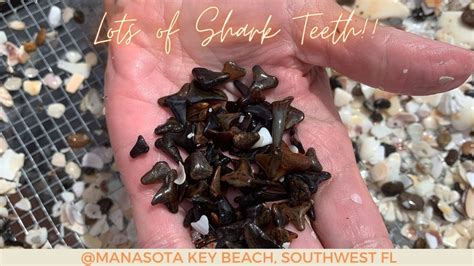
(140, 73)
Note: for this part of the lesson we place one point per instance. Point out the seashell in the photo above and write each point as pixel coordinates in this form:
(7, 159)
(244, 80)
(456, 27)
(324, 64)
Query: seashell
(430, 100)
(92, 211)
(449, 213)
(78, 188)
(342, 97)
(432, 239)
(91, 241)
(32, 87)
(10, 163)
(17, 25)
(74, 83)
(92, 160)
(3, 37)
(81, 69)
(412, 107)
(450, 237)
(91, 59)
(93, 103)
(369, 150)
(380, 131)
(73, 56)
(7, 187)
(469, 203)
(464, 119)
(409, 231)
(415, 131)
(73, 170)
(67, 196)
(56, 110)
(381, 9)
(401, 119)
(24, 204)
(12, 83)
(387, 209)
(395, 106)
(31, 72)
(100, 226)
(52, 81)
(3, 145)
(56, 209)
(116, 217)
(54, 16)
(36, 237)
(453, 31)
(424, 111)
(451, 102)
(425, 187)
(68, 14)
(5, 97)
(421, 149)
(367, 91)
(58, 160)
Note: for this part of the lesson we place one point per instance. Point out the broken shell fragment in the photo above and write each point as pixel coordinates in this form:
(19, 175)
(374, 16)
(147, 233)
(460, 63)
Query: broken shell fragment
(12, 83)
(5, 98)
(56, 110)
(16, 25)
(52, 81)
(32, 87)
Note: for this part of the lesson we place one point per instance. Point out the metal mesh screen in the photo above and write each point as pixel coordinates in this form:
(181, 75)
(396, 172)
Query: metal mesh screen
(32, 132)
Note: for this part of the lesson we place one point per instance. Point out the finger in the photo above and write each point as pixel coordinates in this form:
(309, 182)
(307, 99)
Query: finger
(131, 111)
(390, 59)
(346, 216)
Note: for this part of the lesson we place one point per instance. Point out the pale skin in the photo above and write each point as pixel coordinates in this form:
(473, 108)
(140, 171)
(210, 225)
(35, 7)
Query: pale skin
(139, 73)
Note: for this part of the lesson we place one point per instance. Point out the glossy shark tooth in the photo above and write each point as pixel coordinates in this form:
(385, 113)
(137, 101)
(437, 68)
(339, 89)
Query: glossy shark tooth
(167, 145)
(262, 80)
(158, 172)
(280, 113)
(242, 176)
(233, 70)
(178, 106)
(140, 147)
(245, 140)
(170, 126)
(168, 193)
(255, 237)
(208, 79)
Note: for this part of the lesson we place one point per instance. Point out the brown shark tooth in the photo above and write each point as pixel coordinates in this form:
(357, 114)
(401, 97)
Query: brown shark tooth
(294, 214)
(215, 187)
(280, 113)
(199, 189)
(199, 138)
(281, 235)
(158, 173)
(262, 80)
(168, 193)
(257, 238)
(277, 165)
(235, 71)
(259, 214)
(170, 126)
(227, 119)
(195, 94)
(294, 117)
(140, 147)
(311, 213)
(186, 138)
(295, 140)
(209, 79)
(197, 167)
(225, 211)
(315, 164)
(298, 190)
(182, 92)
(166, 144)
(198, 112)
(240, 177)
(245, 140)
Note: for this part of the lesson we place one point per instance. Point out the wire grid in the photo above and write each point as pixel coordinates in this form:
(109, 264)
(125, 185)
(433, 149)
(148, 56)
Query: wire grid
(32, 132)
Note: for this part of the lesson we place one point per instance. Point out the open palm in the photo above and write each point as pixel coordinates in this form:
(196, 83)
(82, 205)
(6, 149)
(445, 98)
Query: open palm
(140, 73)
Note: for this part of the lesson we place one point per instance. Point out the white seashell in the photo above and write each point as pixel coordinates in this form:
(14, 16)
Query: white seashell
(117, 218)
(424, 110)
(202, 225)
(78, 188)
(430, 123)
(464, 119)
(387, 209)
(13, 83)
(401, 119)
(437, 167)
(92, 160)
(31, 72)
(92, 211)
(36, 237)
(73, 170)
(92, 194)
(56, 209)
(421, 149)
(381, 9)
(3, 212)
(68, 14)
(412, 107)
(431, 100)
(449, 213)
(453, 31)
(380, 131)
(17, 25)
(99, 227)
(55, 110)
(371, 151)
(67, 196)
(52, 81)
(58, 160)
(3, 37)
(367, 91)
(425, 187)
(264, 140)
(73, 56)
(92, 102)
(54, 16)
(451, 102)
(91, 59)
(3, 201)
(181, 174)
(470, 179)
(7, 187)
(32, 87)
(450, 237)
(342, 97)
(431, 240)
(5, 97)
(74, 83)
(10, 163)
(24, 204)
(415, 131)
(82, 69)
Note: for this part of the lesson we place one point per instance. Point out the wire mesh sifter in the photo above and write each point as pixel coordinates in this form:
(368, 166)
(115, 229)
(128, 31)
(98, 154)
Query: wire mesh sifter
(32, 132)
